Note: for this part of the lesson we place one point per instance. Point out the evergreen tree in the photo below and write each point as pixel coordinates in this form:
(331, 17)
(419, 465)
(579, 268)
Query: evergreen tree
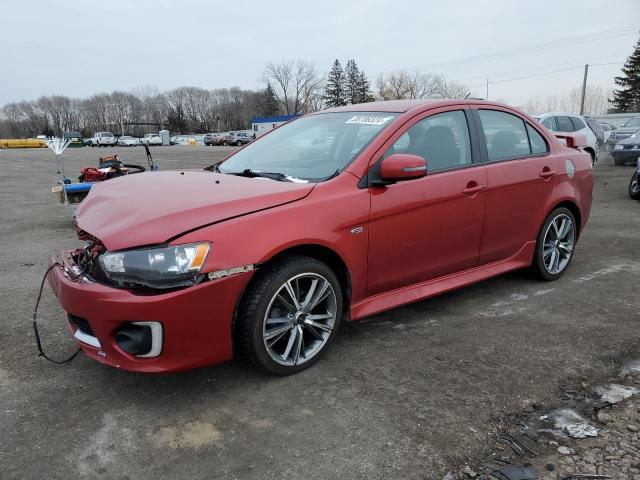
(352, 78)
(627, 97)
(269, 105)
(334, 92)
(363, 89)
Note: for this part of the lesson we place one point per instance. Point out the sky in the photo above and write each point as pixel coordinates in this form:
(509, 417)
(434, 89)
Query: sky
(78, 48)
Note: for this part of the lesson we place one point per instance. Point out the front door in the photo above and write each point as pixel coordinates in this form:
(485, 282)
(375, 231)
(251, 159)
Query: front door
(432, 226)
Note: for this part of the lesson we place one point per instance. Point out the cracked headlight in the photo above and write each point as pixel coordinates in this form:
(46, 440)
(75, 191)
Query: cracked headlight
(163, 267)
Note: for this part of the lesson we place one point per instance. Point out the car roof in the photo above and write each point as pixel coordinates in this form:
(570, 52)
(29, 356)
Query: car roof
(403, 106)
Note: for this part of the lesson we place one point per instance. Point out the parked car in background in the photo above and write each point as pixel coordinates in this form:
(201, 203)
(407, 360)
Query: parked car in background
(214, 139)
(625, 131)
(103, 139)
(408, 200)
(75, 137)
(151, 139)
(128, 141)
(238, 138)
(627, 150)
(570, 122)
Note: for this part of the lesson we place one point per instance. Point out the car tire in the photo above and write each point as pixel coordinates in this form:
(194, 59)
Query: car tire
(274, 332)
(555, 245)
(238, 143)
(634, 187)
(619, 162)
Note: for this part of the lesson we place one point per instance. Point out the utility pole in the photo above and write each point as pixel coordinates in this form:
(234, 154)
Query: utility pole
(584, 89)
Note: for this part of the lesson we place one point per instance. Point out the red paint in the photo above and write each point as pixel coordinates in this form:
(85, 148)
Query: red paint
(420, 237)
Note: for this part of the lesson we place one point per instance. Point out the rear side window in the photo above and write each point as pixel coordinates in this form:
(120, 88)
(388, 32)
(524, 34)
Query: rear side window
(564, 124)
(538, 143)
(577, 123)
(505, 135)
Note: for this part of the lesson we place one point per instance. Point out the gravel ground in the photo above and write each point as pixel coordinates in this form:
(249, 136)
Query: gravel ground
(413, 393)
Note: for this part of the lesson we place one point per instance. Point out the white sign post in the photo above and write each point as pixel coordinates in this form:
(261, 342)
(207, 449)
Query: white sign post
(58, 146)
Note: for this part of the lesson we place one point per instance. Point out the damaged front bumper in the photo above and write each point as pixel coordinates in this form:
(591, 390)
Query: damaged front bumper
(193, 325)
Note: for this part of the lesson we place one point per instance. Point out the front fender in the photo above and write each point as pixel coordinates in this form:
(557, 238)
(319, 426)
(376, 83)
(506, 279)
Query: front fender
(335, 216)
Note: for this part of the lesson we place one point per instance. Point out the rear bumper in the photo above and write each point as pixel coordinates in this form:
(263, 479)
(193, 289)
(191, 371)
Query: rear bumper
(196, 321)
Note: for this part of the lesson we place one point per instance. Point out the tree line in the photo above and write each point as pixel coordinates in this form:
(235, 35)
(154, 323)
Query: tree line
(289, 87)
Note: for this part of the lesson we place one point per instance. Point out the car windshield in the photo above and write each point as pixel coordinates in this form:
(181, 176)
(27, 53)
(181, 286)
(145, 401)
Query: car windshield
(311, 148)
(634, 122)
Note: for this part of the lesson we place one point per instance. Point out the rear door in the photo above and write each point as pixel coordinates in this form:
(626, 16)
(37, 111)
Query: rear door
(520, 177)
(432, 226)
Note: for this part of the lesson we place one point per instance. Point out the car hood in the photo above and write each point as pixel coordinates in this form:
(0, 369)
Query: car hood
(154, 207)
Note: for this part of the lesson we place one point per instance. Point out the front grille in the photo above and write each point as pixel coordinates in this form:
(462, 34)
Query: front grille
(81, 324)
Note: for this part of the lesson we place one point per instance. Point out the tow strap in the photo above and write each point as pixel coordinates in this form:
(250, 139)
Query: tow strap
(35, 325)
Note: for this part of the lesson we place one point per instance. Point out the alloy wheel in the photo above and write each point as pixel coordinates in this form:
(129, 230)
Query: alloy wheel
(299, 319)
(559, 240)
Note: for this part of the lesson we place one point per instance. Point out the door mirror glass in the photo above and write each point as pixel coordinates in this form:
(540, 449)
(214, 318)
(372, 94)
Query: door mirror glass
(402, 166)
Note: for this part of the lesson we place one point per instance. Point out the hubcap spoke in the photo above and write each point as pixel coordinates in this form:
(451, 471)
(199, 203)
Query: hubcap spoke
(318, 325)
(277, 331)
(289, 288)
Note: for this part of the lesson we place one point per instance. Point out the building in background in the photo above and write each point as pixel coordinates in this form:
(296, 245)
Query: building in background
(261, 125)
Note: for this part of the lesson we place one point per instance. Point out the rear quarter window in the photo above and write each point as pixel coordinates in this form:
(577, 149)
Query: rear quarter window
(578, 124)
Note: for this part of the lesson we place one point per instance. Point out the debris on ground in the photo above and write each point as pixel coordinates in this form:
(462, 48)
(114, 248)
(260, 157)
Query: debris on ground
(615, 393)
(565, 444)
(515, 473)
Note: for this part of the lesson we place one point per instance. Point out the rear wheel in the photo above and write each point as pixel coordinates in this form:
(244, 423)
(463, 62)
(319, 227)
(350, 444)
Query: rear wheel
(289, 315)
(555, 244)
(239, 143)
(634, 187)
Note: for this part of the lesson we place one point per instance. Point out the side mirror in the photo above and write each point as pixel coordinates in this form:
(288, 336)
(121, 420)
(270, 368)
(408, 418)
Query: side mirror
(402, 166)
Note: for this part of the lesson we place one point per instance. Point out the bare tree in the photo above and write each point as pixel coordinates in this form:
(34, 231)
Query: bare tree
(294, 81)
(403, 85)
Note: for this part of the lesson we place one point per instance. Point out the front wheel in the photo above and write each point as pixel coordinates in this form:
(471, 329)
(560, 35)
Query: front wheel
(239, 143)
(289, 315)
(634, 187)
(555, 244)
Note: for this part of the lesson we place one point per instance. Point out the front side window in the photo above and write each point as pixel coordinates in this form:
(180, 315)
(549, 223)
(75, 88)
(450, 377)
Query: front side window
(505, 135)
(441, 139)
(310, 148)
(564, 124)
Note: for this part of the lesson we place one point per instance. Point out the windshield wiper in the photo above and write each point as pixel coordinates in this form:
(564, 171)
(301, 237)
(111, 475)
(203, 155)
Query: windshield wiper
(247, 172)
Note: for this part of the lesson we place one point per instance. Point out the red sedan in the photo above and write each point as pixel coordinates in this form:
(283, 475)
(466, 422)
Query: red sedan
(332, 217)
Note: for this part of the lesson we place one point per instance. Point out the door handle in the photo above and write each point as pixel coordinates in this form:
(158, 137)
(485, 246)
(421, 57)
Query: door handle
(471, 190)
(546, 173)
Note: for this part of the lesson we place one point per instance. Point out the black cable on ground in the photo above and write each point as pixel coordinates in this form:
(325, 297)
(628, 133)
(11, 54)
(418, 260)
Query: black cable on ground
(35, 325)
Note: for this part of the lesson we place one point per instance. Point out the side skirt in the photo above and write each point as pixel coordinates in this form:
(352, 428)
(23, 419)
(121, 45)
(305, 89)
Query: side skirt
(420, 291)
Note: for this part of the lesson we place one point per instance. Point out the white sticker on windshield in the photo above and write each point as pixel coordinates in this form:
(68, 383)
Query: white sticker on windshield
(368, 120)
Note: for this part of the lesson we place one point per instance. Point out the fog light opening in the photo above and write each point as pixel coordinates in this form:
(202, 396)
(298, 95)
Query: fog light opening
(142, 339)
